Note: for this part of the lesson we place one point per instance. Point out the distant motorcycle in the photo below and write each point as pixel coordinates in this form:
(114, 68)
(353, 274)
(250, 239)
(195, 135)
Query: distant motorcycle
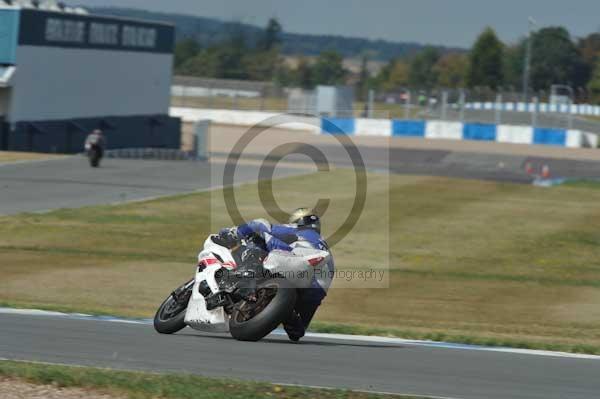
(94, 147)
(94, 154)
(228, 295)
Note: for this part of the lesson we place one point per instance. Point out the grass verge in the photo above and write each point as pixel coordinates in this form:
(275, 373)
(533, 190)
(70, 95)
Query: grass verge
(465, 261)
(330, 328)
(8, 156)
(583, 183)
(167, 386)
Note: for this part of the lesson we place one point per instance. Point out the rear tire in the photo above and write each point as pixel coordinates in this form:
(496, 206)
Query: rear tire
(275, 313)
(169, 317)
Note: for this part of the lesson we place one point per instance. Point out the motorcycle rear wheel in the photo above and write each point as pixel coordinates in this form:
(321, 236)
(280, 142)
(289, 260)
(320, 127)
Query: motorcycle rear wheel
(170, 316)
(252, 321)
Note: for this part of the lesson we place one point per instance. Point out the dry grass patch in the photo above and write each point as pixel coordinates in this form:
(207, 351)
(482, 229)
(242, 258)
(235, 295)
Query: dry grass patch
(468, 260)
(65, 382)
(8, 156)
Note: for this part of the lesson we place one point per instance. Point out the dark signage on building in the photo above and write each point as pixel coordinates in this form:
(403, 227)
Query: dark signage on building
(51, 29)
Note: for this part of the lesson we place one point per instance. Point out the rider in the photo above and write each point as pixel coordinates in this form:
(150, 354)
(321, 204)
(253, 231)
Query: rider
(304, 229)
(96, 137)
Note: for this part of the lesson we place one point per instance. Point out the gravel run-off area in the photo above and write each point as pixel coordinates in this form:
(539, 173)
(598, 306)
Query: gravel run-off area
(17, 389)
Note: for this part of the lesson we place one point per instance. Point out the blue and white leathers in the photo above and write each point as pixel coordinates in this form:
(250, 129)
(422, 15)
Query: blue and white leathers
(285, 237)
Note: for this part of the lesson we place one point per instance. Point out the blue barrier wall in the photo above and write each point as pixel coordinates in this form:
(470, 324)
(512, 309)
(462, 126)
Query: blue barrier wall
(408, 128)
(479, 131)
(544, 136)
(68, 136)
(470, 131)
(338, 125)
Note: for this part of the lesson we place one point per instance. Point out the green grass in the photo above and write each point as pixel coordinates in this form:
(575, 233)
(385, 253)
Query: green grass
(166, 386)
(440, 336)
(469, 261)
(583, 183)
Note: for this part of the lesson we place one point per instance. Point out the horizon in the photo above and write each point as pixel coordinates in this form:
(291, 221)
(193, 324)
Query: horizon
(428, 23)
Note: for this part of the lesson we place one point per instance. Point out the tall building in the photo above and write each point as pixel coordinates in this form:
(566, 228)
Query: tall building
(64, 72)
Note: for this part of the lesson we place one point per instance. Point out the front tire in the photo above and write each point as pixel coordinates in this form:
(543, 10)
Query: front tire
(94, 158)
(281, 303)
(170, 316)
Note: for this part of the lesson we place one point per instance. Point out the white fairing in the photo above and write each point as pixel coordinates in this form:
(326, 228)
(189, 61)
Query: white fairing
(298, 267)
(197, 316)
(322, 272)
(295, 266)
(211, 248)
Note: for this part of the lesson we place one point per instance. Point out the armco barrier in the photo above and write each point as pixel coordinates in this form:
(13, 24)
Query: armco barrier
(432, 129)
(579, 109)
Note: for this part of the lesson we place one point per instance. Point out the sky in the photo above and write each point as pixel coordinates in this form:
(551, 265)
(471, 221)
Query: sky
(443, 22)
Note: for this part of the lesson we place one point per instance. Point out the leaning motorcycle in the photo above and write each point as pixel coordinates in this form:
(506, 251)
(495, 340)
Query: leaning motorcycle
(229, 296)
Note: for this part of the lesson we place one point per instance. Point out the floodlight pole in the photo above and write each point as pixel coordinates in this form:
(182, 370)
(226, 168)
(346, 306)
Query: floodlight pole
(527, 67)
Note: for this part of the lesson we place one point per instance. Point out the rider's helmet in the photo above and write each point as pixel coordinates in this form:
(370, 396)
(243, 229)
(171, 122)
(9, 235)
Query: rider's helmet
(304, 218)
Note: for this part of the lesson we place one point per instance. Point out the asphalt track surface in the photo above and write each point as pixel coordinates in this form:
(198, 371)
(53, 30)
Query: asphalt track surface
(395, 367)
(70, 183)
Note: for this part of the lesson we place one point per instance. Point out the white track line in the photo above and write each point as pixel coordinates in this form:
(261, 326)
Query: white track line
(339, 337)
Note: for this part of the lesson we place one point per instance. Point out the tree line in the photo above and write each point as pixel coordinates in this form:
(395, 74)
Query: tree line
(556, 58)
(261, 60)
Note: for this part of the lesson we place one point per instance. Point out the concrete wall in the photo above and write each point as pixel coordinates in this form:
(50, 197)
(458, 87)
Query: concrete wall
(248, 118)
(430, 129)
(68, 136)
(54, 83)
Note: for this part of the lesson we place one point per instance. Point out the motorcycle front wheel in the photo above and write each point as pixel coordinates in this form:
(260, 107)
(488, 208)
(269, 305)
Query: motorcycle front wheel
(170, 317)
(94, 156)
(252, 321)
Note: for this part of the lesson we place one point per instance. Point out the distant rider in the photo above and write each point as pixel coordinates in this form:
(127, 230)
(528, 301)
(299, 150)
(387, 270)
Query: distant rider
(96, 138)
(304, 229)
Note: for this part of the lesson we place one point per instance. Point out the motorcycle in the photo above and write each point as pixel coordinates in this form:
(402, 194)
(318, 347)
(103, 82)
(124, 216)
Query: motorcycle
(94, 153)
(228, 295)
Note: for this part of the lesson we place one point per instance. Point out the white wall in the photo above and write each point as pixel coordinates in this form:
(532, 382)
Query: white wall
(373, 127)
(575, 139)
(514, 134)
(249, 118)
(59, 83)
(444, 130)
